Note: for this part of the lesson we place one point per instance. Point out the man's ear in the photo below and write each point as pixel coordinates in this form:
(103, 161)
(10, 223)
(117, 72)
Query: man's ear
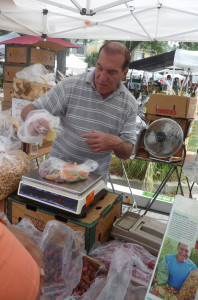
(125, 73)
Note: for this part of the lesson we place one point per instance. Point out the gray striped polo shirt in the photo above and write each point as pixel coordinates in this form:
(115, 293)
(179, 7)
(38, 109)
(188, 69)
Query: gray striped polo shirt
(82, 109)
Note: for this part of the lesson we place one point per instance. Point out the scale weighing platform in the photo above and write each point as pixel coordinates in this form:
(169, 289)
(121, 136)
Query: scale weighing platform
(74, 198)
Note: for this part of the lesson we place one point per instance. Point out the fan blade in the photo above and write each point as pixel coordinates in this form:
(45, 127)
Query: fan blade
(166, 127)
(167, 148)
(150, 138)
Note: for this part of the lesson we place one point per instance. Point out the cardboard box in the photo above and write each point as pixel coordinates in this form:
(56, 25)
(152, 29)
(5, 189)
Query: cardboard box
(141, 230)
(45, 144)
(186, 124)
(96, 226)
(172, 105)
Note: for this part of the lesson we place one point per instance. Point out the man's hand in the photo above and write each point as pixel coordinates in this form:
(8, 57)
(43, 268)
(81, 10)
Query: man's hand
(99, 141)
(34, 251)
(39, 126)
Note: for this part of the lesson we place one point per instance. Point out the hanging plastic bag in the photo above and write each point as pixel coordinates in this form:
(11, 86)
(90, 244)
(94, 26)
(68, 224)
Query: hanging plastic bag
(63, 249)
(36, 73)
(118, 276)
(57, 170)
(39, 125)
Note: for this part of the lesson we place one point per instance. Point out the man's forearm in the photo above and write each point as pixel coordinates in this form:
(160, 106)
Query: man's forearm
(123, 150)
(26, 110)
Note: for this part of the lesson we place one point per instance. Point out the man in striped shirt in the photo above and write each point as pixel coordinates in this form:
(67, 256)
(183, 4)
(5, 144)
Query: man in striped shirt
(96, 110)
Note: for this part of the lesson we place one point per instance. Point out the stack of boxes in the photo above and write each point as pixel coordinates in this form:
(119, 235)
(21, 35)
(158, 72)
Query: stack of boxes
(96, 225)
(18, 57)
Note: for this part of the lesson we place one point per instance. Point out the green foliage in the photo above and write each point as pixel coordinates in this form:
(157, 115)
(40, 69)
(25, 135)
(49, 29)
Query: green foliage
(154, 48)
(194, 256)
(3, 32)
(193, 140)
(169, 247)
(188, 46)
(91, 59)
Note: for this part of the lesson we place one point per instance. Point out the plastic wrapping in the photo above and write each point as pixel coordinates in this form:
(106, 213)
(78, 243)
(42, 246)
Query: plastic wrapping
(36, 73)
(135, 292)
(13, 164)
(63, 249)
(144, 262)
(57, 170)
(37, 125)
(118, 276)
(8, 139)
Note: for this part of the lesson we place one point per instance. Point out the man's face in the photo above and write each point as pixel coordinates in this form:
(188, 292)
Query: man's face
(109, 73)
(183, 253)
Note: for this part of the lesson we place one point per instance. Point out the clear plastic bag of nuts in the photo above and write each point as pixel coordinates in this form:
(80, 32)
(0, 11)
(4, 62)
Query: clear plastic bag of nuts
(13, 164)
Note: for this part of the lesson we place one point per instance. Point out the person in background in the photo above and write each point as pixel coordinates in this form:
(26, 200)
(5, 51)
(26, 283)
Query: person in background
(176, 85)
(21, 265)
(97, 112)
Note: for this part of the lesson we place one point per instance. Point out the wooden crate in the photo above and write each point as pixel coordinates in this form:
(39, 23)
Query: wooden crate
(9, 71)
(8, 91)
(29, 55)
(6, 105)
(44, 57)
(15, 54)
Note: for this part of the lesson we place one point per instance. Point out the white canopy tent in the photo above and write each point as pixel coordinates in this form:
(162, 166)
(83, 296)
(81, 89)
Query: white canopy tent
(75, 65)
(136, 20)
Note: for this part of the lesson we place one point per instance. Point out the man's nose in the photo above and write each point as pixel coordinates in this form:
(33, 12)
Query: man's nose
(103, 75)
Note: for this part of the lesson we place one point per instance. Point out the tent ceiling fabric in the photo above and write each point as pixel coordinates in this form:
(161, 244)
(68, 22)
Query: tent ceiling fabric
(137, 20)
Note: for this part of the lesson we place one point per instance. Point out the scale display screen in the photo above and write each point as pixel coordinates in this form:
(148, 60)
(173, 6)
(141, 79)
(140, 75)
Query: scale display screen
(48, 197)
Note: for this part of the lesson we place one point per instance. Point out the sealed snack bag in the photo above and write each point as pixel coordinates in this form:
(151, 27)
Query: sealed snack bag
(57, 170)
(39, 125)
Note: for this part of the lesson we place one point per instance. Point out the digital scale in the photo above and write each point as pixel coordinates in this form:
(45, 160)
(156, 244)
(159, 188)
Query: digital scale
(74, 198)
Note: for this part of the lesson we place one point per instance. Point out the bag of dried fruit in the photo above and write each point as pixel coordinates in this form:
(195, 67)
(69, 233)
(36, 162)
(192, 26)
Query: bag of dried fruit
(58, 170)
(13, 162)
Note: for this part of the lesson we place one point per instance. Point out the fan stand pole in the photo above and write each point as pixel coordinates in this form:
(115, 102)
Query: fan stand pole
(125, 173)
(166, 178)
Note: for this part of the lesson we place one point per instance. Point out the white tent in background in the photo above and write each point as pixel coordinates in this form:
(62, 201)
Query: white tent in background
(75, 65)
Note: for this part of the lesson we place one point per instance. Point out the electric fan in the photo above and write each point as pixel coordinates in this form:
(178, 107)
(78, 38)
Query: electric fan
(163, 138)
